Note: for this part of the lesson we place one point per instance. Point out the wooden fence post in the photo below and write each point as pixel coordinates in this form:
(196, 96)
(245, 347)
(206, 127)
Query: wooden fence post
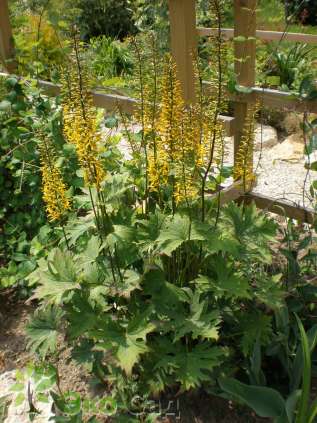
(245, 55)
(182, 14)
(6, 39)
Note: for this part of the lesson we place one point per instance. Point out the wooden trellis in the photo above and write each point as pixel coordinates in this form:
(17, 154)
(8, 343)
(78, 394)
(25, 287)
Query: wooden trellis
(184, 41)
(184, 35)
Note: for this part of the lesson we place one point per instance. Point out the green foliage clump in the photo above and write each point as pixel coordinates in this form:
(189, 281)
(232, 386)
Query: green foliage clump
(290, 65)
(21, 213)
(151, 281)
(161, 314)
(161, 288)
(150, 291)
(109, 58)
(112, 18)
(40, 50)
(268, 402)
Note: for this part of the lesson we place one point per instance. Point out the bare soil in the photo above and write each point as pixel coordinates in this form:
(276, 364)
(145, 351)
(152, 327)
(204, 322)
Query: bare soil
(13, 318)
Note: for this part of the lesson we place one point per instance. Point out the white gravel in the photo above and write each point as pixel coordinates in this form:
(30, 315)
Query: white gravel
(281, 179)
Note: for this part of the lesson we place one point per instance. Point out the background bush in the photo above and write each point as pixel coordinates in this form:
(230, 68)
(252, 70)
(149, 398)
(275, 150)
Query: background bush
(39, 49)
(113, 18)
(303, 11)
(109, 58)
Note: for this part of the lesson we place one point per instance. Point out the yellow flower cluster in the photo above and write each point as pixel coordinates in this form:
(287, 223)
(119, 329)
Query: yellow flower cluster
(80, 122)
(53, 186)
(186, 139)
(175, 144)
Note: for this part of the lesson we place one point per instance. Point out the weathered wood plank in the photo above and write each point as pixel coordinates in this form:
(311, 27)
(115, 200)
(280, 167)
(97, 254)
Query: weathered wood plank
(228, 34)
(276, 99)
(232, 193)
(281, 207)
(182, 16)
(271, 98)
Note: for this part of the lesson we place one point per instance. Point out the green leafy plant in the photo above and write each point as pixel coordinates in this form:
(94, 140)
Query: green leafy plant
(310, 135)
(109, 58)
(38, 386)
(40, 46)
(155, 270)
(294, 245)
(289, 64)
(152, 302)
(23, 110)
(267, 402)
(158, 287)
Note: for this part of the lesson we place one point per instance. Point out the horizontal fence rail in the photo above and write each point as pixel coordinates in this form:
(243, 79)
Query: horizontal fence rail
(281, 207)
(228, 34)
(270, 98)
(112, 102)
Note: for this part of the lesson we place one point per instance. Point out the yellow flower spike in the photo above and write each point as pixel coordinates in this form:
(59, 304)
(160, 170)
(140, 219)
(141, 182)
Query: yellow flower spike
(172, 109)
(164, 149)
(53, 186)
(80, 123)
(175, 148)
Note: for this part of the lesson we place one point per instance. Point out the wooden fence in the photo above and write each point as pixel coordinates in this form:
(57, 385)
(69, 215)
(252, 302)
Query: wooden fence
(184, 42)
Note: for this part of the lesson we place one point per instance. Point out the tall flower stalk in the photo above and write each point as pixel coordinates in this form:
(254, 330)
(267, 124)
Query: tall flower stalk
(214, 133)
(80, 123)
(141, 77)
(81, 129)
(174, 150)
(243, 169)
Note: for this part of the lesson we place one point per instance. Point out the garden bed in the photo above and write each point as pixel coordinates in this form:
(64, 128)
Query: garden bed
(198, 407)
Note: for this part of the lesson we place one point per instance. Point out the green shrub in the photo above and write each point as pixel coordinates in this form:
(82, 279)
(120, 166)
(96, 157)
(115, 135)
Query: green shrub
(109, 58)
(21, 204)
(160, 288)
(112, 18)
(39, 49)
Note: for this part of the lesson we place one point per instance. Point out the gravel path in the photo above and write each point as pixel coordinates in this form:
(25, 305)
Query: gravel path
(280, 179)
(283, 180)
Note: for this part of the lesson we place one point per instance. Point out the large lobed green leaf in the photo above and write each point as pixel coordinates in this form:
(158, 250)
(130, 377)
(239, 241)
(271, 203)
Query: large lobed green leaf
(43, 330)
(58, 279)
